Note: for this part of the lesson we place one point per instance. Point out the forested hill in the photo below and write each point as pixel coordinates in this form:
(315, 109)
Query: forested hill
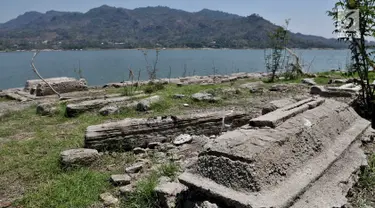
(111, 27)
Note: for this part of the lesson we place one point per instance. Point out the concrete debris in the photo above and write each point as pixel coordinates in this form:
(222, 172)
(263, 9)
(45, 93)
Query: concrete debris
(135, 168)
(293, 164)
(108, 199)
(121, 180)
(78, 157)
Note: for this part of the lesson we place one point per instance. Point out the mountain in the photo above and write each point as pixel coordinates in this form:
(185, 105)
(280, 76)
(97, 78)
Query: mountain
(111, 27)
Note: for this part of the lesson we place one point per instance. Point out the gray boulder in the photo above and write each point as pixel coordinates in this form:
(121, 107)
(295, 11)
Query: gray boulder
(78, 157)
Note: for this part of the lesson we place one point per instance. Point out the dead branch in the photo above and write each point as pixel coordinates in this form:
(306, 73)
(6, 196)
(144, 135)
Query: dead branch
(40, 77)
(298, 65)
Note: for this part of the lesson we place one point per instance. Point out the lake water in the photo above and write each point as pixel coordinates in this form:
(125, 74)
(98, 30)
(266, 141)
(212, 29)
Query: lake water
(100, 67)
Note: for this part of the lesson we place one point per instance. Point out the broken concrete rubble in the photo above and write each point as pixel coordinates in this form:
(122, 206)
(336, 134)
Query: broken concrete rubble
(78, 157)
(73, 110)
(61, 86)
(127, 134)
(287, 165)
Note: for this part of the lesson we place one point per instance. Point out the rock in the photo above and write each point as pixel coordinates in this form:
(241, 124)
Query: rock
(126, 190)
(75, 109)
(121, 180)
(178, 96)
(47, 109)
(61, 86)
(186, 105)
(138, 132)
(309, 81)
(202, 96)
(78, 157)
(109, 110)
(154, 145)
(170, 194)
(139, 150)
(145, 104)
(279, 87)
(135, 168)
(182, 139)
(108, 199)
(207, 204)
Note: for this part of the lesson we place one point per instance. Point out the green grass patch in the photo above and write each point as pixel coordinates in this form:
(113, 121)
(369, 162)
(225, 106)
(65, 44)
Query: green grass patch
(144, 195)
(3, 99)
(74, 189)
(367, 177)
(170, 170)
(31, 158)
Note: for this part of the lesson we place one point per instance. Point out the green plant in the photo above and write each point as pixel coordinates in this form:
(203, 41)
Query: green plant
(144, 195)
(79, 71)
(170, 170)
(360, 56)
(152, 87)
(274, 58)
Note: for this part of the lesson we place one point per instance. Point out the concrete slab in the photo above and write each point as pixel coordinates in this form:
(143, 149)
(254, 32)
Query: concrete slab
(271, 168)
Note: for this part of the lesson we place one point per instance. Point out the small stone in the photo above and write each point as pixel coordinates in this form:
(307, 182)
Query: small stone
(186, 105)
(178, 96)
(135, 168)
(139, 150)
(182, 139)
(120, 180)
(109, 110)
(154, 145)
(126, 190)
(108, 199)
(78, 157)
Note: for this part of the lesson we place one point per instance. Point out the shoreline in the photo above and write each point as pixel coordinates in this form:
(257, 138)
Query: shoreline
(182, 49)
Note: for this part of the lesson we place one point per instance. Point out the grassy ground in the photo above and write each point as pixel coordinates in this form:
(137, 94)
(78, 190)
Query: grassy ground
(30, 146)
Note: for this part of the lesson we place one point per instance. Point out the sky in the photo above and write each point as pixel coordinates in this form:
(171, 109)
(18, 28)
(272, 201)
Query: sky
(307, 16)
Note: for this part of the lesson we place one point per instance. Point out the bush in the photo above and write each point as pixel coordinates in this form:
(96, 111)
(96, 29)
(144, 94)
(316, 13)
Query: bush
(153, 87)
